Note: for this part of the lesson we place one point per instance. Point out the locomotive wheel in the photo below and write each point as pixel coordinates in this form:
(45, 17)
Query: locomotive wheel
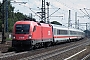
(37, 46)
(47, 44)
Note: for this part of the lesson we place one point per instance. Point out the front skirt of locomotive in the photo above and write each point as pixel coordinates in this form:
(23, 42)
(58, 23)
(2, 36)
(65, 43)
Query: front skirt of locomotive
(21, 44)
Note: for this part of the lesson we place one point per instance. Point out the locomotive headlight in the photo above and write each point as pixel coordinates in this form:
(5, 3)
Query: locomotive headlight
(29, 37)
(14, 37)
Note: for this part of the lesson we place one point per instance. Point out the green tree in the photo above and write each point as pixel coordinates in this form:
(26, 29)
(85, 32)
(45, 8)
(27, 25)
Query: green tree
(1, 16)
(10, 10)
(87, 33)
(12, 17)
(55, 22)
(19, 16)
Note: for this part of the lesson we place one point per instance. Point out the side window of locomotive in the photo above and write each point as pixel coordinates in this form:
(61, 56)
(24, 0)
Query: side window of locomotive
(34, 28)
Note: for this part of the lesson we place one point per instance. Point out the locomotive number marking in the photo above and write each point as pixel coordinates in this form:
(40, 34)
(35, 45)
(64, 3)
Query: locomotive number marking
(21, 37)
(49, 33)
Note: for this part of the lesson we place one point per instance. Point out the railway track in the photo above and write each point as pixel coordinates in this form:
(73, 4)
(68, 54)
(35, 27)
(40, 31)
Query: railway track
(50, 54)
(10, 54)
(47, 53)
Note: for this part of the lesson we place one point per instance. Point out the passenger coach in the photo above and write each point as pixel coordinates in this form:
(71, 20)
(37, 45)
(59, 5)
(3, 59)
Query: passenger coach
(63, 34)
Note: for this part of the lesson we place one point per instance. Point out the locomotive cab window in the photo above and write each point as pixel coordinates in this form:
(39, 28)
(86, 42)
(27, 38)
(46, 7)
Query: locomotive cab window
(22, 29)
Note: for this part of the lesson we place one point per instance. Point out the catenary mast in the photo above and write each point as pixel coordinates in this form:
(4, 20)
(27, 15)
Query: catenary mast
(43, 11)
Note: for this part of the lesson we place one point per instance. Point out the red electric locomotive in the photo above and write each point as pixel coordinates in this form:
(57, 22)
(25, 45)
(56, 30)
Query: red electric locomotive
(28, 34)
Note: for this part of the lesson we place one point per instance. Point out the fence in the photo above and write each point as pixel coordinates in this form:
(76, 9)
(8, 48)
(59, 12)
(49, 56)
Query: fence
(0, 36)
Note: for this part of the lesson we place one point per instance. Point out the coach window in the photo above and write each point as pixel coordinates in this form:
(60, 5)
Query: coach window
(74, 32)
(58, 32)
(71, 32)
(80, 33)
(77, 33)
(63, 32)
(54, 31)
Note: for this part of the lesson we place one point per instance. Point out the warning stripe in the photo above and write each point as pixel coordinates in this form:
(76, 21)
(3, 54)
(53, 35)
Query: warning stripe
(65, 36)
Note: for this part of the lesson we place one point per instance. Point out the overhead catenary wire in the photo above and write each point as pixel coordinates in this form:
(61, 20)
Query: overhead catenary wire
(65, 5)
(52, 5)
(70, 7)
(87, 12)
(34, 13)
(54, 12)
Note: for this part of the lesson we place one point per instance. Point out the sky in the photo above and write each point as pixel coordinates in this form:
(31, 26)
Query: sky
(82, 7)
